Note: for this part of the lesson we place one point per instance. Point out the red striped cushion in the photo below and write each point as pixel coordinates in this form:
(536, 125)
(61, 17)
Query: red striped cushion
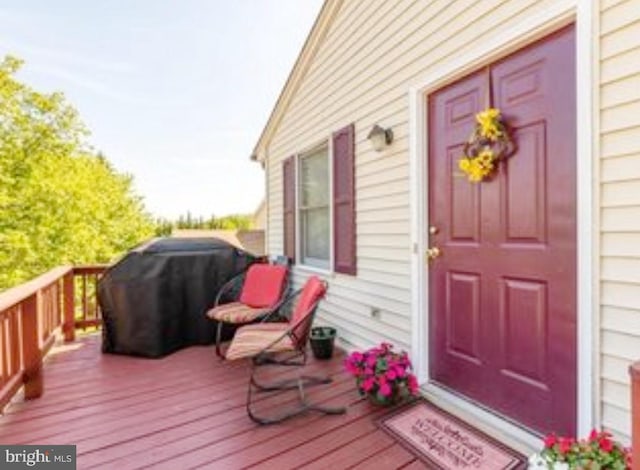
(235, 312)
(252, 339)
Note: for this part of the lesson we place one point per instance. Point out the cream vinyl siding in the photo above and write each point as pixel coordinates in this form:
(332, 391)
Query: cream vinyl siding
(619, 51)
(373, 51)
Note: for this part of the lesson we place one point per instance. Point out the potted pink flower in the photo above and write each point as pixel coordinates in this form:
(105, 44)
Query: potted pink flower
(383, 375)
(598, 451)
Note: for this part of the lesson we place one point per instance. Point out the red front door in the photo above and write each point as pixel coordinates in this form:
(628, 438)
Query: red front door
(503, 291)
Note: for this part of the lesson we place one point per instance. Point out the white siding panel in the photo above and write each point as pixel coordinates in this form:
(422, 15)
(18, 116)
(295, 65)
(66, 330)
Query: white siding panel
(621, 320)
(617, 394)
(383, 277)
(621, 244)
(624, 142)
(621, 219)
(620, 345)
(621, 116)
(621, 168)
(620, 204)
(382, 241)
(607, 4)
(620, 65)
(621, 269)
(617, 18)
(620, 91)
(618, 294)
(623, 193)
(616, 420)
(615, 369)
(388, 189)
(620, 40)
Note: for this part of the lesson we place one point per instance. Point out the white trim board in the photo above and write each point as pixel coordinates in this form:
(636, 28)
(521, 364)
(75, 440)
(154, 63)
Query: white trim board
(499, 45)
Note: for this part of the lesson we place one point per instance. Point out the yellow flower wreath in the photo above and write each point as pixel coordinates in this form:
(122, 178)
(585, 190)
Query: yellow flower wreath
(480, 159)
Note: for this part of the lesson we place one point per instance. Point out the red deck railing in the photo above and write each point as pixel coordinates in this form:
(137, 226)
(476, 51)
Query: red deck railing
(33, 314)
(634, 371)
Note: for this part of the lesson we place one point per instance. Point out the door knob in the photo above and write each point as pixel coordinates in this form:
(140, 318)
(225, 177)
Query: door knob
(433, 253)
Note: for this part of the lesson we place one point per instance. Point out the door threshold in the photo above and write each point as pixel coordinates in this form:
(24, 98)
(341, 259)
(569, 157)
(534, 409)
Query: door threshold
(520, 439)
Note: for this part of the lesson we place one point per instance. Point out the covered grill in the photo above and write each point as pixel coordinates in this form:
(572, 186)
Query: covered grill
(154, 299)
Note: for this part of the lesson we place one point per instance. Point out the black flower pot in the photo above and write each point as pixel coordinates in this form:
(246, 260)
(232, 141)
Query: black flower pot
(322, 339)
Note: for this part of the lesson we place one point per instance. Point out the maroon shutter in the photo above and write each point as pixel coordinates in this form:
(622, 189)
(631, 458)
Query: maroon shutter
(344, 207)
(289, 207)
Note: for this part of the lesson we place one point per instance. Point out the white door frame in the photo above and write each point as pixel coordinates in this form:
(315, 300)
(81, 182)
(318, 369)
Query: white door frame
(493, 47)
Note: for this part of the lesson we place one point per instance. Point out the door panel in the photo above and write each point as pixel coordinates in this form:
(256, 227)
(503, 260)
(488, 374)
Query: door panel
(456, 290)
(503, 292)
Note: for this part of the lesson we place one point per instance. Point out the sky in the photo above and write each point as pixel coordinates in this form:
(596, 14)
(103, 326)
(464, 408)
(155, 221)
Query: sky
(174, 92)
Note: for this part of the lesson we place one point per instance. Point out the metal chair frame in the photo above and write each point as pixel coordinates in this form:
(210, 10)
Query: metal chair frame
(231, 290)
(299, 335)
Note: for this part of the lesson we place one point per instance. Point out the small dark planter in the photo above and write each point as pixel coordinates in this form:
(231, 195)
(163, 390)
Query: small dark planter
(322, 339)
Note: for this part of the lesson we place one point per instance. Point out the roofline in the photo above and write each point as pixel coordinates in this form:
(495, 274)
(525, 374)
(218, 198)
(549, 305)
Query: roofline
(308, 51)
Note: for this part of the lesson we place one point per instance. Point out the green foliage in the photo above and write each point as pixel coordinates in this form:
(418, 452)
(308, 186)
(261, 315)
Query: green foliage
(188, 221)
(59, 202)
(163, 227)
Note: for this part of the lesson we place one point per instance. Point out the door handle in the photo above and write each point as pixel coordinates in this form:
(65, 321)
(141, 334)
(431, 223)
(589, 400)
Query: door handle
(433, 253)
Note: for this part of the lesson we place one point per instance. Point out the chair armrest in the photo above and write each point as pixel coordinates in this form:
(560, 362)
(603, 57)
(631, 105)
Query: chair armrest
(282, 307)
(291, 330)
(229, 286)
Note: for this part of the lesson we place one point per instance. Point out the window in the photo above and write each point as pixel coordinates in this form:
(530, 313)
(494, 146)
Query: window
(314, 208)
(318, 205)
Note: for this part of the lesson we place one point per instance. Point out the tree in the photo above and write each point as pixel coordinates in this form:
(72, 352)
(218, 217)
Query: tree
(59, 201)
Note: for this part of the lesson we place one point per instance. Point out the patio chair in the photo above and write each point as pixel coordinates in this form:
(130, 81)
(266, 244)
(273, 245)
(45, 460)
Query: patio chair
(249, 297)
(283, 344)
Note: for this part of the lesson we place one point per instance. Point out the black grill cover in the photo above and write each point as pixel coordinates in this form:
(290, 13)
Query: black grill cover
(154, 299)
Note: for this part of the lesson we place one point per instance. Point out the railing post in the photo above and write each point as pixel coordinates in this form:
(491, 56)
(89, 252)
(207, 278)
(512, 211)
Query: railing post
(634, 371)
(68, 326)
(32, 378)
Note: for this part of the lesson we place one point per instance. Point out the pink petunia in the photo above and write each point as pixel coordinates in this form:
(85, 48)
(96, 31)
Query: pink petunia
(350, 367)
(367, 384)
(371, 361)
(385, 389)
(391, 374)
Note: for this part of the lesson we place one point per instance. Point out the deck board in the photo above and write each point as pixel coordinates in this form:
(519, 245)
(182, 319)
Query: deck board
(187, 411)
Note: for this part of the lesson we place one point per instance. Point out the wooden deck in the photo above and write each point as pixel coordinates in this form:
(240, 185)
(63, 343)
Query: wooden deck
(187, 411)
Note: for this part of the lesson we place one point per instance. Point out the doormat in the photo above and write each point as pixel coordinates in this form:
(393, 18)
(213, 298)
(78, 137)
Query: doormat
(445, 442)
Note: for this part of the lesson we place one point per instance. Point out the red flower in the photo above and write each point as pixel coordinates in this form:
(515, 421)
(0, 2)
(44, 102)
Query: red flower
(606, 444)
(593, 436)
(565, 444)
(550, 441)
